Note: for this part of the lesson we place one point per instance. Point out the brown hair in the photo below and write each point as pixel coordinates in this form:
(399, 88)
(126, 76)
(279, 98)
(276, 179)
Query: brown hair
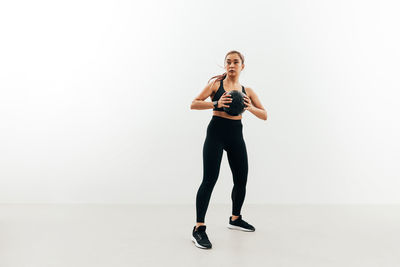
(222, 76)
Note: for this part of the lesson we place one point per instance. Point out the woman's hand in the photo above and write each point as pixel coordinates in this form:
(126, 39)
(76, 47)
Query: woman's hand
(247, 103)
(225, 98)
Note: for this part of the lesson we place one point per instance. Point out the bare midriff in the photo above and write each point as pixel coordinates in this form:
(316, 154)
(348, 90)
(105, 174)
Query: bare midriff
(226, 115)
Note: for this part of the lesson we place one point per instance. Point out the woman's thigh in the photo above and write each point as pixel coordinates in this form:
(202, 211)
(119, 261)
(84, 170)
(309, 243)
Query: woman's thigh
(212, 156)
(237, 157)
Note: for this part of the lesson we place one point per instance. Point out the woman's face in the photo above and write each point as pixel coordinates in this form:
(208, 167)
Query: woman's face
(233, 64)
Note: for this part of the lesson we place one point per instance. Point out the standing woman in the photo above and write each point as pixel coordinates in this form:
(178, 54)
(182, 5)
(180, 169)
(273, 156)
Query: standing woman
(224, 132)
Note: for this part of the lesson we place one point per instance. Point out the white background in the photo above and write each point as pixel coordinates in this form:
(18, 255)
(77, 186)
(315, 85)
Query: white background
(95, 99)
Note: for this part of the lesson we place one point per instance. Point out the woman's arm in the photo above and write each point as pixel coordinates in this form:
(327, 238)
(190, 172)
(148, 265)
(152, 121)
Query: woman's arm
(255, 106)
(199, 103)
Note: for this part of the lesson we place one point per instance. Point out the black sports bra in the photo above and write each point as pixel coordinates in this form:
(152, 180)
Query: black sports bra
(220, 92)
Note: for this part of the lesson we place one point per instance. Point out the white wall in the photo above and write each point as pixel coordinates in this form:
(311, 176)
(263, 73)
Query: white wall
(95, 99)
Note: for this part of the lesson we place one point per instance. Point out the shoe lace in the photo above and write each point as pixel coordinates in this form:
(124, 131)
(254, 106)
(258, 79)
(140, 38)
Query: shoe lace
(203, 235)
(247, 224)
(244, 223)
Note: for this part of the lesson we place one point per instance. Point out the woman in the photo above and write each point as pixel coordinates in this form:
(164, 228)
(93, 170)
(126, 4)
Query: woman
(224, 132)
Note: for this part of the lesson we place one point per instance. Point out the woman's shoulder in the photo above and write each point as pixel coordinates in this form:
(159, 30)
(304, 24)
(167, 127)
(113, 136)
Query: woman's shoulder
(248, 90)
(215, 84)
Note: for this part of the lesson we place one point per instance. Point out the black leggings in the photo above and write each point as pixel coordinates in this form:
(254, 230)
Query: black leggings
(223, 134)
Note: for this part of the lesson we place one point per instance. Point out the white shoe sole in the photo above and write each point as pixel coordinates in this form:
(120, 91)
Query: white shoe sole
(234, 227)
(197, 244)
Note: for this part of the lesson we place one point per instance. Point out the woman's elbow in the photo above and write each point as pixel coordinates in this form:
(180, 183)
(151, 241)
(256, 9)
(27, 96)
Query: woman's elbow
(193, 104)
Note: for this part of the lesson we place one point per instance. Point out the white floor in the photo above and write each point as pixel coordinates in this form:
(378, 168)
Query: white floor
(150, 235)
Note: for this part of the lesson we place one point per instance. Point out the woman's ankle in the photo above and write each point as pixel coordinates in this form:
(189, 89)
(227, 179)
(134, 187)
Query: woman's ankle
(199, 224)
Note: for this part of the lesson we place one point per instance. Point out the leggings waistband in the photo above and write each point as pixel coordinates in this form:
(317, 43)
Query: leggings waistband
(225, 120)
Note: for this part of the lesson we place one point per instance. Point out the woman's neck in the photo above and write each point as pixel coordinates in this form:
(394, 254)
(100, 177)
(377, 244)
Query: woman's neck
(232, 81)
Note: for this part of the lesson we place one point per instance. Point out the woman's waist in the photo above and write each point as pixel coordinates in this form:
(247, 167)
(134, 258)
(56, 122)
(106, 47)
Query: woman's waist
(225, 115)
(225, 123)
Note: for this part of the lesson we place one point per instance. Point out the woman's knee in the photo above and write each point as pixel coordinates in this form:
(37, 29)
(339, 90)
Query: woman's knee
(209, 182)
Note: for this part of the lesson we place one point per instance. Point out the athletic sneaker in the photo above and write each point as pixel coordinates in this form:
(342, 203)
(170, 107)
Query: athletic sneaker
(240, 224)
(200, 238)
